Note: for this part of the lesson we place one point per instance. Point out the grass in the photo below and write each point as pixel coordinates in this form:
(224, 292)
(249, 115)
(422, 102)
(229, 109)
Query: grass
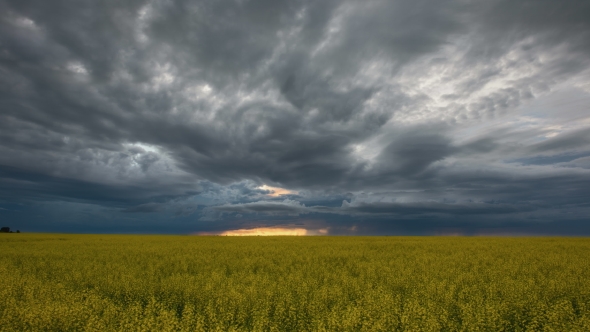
(55, 282)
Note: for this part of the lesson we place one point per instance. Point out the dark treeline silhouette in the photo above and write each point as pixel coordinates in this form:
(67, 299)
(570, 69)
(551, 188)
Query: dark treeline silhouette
(7, 230)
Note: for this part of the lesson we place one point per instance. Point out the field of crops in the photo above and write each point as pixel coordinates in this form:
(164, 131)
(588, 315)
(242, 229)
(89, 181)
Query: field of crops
(55, 282)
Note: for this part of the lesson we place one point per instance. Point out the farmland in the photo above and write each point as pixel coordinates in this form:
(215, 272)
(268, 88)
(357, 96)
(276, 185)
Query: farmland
(57, 282)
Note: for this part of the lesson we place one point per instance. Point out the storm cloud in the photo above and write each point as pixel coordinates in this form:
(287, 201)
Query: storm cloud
(373, 116)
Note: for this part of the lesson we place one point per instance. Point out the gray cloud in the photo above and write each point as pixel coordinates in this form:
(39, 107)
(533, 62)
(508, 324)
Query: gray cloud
(402, 109)
(433, 208)
(265, 207)
(145, 208)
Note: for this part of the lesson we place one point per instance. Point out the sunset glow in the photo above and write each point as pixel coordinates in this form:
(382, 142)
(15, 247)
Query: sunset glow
(266, 231)
(274, 231)
(277, 191)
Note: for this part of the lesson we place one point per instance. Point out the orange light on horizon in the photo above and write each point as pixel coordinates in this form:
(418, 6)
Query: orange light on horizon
(277, 191)
(266, 231)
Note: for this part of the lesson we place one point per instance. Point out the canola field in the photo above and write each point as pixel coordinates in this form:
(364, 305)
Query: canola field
(56, 282)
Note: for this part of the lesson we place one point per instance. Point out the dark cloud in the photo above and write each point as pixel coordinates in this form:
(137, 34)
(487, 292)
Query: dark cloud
(145, 208)
(553, 159)
(576, 139)
(286, 207)
(412, 152)
(433, 208)
(180, 112)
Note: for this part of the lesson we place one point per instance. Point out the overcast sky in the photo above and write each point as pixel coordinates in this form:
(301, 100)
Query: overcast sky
(339, 117)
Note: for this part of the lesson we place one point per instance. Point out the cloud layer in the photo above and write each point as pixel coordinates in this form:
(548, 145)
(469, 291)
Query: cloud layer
(373, 116)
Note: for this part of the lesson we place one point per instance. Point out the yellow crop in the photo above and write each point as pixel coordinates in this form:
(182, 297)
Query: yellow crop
(54, 282)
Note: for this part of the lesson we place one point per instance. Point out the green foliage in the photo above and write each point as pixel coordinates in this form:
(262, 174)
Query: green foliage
(186, 283)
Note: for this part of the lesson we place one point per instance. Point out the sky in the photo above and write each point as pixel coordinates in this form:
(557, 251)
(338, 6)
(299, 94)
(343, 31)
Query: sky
(403, 117)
